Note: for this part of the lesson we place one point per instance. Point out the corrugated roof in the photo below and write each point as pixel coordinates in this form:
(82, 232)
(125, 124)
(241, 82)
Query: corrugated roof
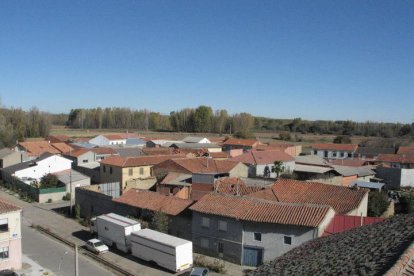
(154, 201)
(341, 199)
(311, 160)
(193, 139)
(252, 209)
(312, 169)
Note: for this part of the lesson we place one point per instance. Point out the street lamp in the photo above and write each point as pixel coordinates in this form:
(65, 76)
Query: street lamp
(61, 260)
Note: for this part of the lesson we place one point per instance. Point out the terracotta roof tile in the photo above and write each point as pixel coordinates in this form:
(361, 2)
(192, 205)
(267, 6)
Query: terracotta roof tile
(121, 136)
(222, 154)
(79, 152)
(62, 147)
(154, 201)
(104, 151)
(7, 207)
(201, 165)
(341, 147)
(58, 138)
(263, 157)
(37, 148)
(406, 150)
(242, 142)
(395, 158)
(137, 161)
(342, 199)
(252, 209)
(234, 186)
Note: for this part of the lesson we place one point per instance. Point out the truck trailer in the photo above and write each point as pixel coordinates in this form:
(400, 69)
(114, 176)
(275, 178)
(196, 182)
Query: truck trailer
(167, 251)
(115, 230)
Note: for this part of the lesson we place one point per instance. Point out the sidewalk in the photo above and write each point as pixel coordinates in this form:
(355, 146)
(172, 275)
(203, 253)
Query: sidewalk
(30, 267)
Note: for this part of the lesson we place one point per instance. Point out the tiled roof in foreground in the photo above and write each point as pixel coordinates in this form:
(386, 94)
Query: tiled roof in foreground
(255, 210)
(368, 250)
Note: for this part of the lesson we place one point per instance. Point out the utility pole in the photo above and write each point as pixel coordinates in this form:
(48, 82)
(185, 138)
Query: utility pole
(70, 187)
(76, 261)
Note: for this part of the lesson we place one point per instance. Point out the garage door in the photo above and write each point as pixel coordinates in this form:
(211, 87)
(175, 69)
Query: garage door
(252, 256)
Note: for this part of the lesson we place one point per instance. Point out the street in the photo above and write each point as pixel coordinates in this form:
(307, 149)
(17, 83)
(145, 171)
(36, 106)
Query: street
(55, 256)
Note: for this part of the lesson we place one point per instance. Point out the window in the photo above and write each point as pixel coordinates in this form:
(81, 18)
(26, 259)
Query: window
(220, 247)
(287, 240)
(349, 155)
(4, 253)
(205, 222)
(222, 225)
(110, 170)
(85, 161)
(4, 225)
(204, 242)
(130, 171)
(141, 171)
(334, 154)
(104, 169)
(325, 153)
(342, 154)
(315, 152)
(258, 236)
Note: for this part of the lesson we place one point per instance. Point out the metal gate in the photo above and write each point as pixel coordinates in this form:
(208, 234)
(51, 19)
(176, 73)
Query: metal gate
(252, 256)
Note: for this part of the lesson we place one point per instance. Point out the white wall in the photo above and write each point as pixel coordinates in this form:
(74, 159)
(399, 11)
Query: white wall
(51, 164)
(321, 153)
(407, 177)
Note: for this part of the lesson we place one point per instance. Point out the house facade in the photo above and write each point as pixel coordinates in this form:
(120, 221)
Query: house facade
(10, 157)
(334, 151)
(10, 236)
(249, 231)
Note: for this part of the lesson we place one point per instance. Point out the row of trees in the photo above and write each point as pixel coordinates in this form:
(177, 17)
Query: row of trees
(386, 130)
(205, 119)
(16, 124)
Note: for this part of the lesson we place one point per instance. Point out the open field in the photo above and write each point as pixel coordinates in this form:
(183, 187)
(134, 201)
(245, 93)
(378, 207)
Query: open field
(266, 137)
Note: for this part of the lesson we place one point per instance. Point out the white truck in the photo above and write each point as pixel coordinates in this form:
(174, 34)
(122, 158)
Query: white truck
(167, 251)
(115, 230)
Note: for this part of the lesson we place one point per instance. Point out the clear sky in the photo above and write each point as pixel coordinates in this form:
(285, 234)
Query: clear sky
(329, 59)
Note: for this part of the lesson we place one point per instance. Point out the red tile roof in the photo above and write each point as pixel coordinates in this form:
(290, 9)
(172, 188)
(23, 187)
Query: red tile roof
(406, 150)
(79, 152)
(252, 209)
(339, 147)
(234, 186)
(199, 165)
(395, 158)
(82, 140)
(154, 201)
(241, 142)
(58, 138)
(222, 154)
(104, 151)
(263, 157)
(7, 207)
(37, 148)
(274, 146)
(138, 161)
(62, 147)
(342, 199)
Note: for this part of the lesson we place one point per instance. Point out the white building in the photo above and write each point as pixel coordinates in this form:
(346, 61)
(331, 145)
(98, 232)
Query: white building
(334, 151)
(198, 140)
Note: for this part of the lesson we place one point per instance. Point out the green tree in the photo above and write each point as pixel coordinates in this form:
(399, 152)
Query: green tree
(160, 222)
(278, 167)
(407, 204)
(377, 204)
(202, 119)
(49, 181)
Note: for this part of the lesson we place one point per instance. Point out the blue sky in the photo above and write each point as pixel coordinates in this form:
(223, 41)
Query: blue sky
(282, 59)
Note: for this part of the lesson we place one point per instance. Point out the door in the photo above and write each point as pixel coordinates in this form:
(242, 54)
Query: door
(252, 256)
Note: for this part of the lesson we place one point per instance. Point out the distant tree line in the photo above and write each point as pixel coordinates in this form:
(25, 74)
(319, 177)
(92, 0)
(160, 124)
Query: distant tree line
(16, 124)
(205, 119)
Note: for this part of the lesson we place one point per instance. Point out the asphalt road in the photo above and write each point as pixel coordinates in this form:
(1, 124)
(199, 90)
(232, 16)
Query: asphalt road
(55, 256)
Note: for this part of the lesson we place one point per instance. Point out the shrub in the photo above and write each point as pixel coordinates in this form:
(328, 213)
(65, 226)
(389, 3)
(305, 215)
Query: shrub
(49, 200)
(342, 139)
(407, 204)
(243, 134)
(285, 136)
(377, 204)
(49, 181)
(216, 266)
(66, 197)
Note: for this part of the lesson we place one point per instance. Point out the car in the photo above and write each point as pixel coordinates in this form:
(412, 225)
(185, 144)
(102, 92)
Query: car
(96, 246)
(199, 271)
